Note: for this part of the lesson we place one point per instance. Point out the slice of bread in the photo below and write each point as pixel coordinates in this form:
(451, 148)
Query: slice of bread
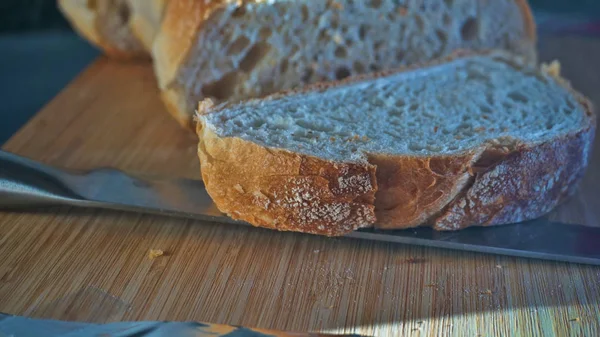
(105, 23)
(475, 139)
(146, 18)
(232, 50)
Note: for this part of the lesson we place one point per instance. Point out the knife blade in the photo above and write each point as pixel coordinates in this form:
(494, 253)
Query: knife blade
(32, 327)
(25, 183)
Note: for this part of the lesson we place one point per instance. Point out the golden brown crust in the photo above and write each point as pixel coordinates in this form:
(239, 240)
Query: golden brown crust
(181, 23)
(499, 182)
(145, 20)
(173, 105)
(86, 21)
(412, 189)
(529, 21)
(285, 191)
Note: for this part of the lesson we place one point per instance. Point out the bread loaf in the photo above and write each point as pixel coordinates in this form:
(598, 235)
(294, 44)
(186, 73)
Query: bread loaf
(476, 139)
(123, 29)
(232, 50)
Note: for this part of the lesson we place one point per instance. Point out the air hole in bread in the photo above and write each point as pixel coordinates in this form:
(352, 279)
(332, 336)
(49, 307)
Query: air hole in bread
(373, 67)
(415, 147)
(420, 23)
(304, 12)
(449, 3)
(476, 75)
(264, 33)
(362, 32)
(395, 112)
(400, 56)
(307, 75)
(238, 45)
(313, 126)
(413, 107)
(223, 88)
(446, 19)
(485, 109)
(549, 126)
(340, 52)
(442, 37)
(400, 103)
(358, 67)
(239, 11)
(254, 55)
(489, 98)
(124, 13)
(257, 123)
(374, 3)
(323, 37)
(283, 66)
(518, 97)
(341, 73)
(334, 23)
(377, 45)
(470, 29)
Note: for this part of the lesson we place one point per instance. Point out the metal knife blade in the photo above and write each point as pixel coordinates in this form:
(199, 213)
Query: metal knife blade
(25, 183)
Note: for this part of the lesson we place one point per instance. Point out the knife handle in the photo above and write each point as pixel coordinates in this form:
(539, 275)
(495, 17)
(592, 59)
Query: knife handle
(27, 183)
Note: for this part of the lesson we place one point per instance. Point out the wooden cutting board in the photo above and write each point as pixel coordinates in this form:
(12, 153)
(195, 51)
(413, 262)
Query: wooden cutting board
(93, 265)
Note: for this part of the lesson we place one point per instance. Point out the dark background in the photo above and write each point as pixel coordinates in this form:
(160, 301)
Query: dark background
(39, 53)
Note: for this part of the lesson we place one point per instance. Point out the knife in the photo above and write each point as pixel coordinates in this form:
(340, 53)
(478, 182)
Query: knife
(25, 183)
(30, 327)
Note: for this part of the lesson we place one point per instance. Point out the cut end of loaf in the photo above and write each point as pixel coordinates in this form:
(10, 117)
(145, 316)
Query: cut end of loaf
(235, 55)
(106, 25)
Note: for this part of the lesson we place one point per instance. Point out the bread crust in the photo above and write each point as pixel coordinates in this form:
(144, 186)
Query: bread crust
(146, 19)
(184, 19)
(504, 192)
(486, 185)
(283, 190)
(86, 21)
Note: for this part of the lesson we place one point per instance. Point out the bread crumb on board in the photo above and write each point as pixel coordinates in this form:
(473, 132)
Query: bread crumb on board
(552, 68)
(154, 253)
(576, 319)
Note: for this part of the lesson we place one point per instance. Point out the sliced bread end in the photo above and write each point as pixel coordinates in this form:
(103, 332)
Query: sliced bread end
(501, 179)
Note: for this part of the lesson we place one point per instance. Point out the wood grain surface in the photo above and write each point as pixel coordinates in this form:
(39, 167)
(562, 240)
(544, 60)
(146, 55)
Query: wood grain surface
(90, 265)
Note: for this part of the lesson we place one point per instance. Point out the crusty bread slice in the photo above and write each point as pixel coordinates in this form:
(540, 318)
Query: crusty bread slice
(476, 139)
(232, 50)
(105, 23)
(146, 18)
